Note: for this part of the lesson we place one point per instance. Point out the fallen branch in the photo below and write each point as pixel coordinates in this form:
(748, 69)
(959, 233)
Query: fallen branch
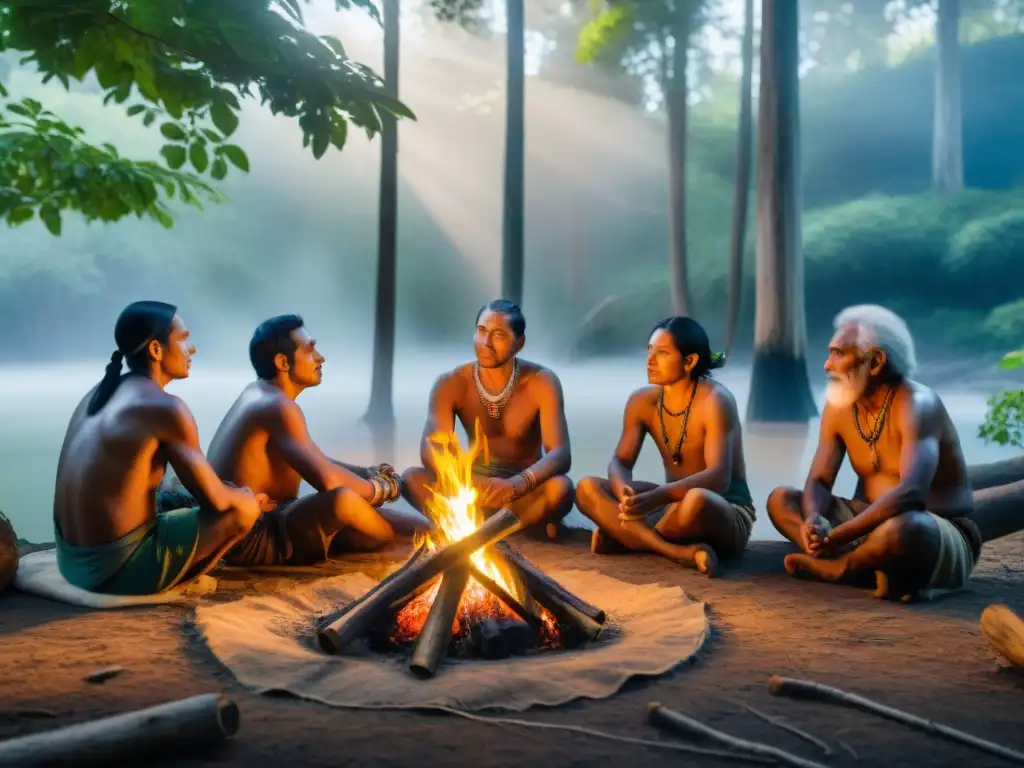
(783, 725)
(353, 624)
(671, 720)
(848, 748)
(539, 583)
(178, 727)
(805, 689)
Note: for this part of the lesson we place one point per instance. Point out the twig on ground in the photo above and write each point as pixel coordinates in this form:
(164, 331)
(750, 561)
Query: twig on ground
(663, 716)
(785, 686)
(848, 748)
(783, 725)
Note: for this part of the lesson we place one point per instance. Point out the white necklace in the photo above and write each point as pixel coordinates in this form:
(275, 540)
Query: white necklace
(495, 403)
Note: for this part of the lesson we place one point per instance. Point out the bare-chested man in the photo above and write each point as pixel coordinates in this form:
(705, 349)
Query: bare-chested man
(110, 537)
(519, 408)
(704, 509)
(909, 522)
(263, 443)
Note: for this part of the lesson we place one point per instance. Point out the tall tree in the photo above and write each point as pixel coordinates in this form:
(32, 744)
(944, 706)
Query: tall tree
(741, 193)
(653, 37)
(381, 414)
(779, 389)
(513, 235)
(947, 132)
(186, 65)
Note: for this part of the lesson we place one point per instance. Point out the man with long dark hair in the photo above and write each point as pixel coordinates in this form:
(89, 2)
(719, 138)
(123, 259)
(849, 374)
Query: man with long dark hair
(703, 510)
(909, 524)
(110, 537)
(517, 407)
(263, 443)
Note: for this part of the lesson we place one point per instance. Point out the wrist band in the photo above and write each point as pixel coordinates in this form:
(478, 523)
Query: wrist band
(378, 491)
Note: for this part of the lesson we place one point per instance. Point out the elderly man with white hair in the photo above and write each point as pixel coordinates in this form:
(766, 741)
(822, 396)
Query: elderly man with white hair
(909, 521)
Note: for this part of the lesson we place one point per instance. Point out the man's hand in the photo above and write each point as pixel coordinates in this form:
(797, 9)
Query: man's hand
(814, 535)
(495, 492)
(621, 491)
(634, 506)
(246, 502)
(266, 503)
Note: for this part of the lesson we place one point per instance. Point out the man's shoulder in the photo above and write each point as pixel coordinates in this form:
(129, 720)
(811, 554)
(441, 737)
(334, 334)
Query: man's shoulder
(720, 395)
(914, 399)
(642, 398)
(541, 374)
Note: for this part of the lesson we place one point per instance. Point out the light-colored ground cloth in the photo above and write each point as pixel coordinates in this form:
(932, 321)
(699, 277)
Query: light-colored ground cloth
(38, 574)
(268, 643)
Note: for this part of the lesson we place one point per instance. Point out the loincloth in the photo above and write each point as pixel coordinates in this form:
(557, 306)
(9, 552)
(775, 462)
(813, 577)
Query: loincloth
(146, 561)
(497, 469)
(267, 542)
(959, 546)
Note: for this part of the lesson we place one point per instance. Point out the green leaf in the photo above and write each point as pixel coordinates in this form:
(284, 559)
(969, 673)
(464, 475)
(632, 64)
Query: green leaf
(51, 218)
(339, 132)
(173, 131)
(174, 154)
(149, 118)
(20, 215)
(163, 217)
(3, 90)
(222, 116)
(213, 136)
(236, 155)
(1012, 361)
(198, 157)
(135, 110)
(219, 169)
(321, 140)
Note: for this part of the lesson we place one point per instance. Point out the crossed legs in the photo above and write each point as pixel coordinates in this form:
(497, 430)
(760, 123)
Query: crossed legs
(693, 532)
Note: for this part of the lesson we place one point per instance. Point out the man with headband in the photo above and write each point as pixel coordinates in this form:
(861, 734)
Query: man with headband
(110, 536)
(263, 443)
(703, 510)
(909, 525)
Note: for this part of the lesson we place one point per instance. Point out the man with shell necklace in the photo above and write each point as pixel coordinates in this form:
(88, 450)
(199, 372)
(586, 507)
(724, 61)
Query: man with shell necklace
(909, 522)
(703, 510)
(518, 408)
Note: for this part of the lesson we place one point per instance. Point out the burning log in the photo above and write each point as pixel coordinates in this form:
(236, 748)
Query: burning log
(333, 616)
(376, 603)
(177, 727)
(531, 616)
(436, 634)
(501, 638)
(541, 585)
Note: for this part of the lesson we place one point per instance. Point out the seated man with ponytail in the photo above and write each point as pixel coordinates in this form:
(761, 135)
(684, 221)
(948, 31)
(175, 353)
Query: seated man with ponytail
(110, 536)
(703, 510)
(263, 443)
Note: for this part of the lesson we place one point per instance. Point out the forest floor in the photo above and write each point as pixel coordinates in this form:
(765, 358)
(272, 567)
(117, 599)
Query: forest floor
(929, 659)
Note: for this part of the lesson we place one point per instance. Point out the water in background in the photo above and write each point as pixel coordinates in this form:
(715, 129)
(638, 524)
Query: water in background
(36, 402)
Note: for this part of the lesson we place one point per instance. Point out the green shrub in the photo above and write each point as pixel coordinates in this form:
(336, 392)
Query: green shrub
(981, 251)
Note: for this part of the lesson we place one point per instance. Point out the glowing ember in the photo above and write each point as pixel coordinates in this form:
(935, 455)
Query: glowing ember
(453, 508)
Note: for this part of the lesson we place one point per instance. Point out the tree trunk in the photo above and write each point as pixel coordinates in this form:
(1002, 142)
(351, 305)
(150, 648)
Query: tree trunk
(741, 193)
(380, 413)
(676, 94)
(996, 473)
(999, 510)
(947, 132)
(779, 387)
(515, 156)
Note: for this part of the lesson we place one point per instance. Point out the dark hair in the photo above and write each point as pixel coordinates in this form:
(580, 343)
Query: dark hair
(510, 310)
(138, 324)
(271, 338)
(690, 338)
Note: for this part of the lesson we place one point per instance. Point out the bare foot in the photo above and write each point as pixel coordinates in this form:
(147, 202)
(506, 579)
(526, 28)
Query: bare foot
(706, 560)
(881, 586)
(601, 544)
(799, 564)
(1004, 631)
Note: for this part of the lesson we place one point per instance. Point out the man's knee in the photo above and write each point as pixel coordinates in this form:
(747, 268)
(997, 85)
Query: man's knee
(559, 490)
(352, 510)
(783, 503)
(910, 534)
(587, 491)
(415, 480)
(238, 522)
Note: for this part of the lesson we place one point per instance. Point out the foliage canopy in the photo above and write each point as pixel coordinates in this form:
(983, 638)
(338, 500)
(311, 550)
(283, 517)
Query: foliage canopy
(187, 64)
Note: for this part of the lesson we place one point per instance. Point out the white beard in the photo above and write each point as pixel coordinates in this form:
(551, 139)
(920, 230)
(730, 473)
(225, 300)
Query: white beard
(842, 392)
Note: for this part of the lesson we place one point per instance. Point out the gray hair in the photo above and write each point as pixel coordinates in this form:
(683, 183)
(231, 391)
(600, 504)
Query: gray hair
(880, 328)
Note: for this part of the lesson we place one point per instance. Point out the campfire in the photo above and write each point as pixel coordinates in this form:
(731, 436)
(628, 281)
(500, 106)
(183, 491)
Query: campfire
(464, 592)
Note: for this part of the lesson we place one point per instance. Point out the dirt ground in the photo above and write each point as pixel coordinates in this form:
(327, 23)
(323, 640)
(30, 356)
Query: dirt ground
(929, 659)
